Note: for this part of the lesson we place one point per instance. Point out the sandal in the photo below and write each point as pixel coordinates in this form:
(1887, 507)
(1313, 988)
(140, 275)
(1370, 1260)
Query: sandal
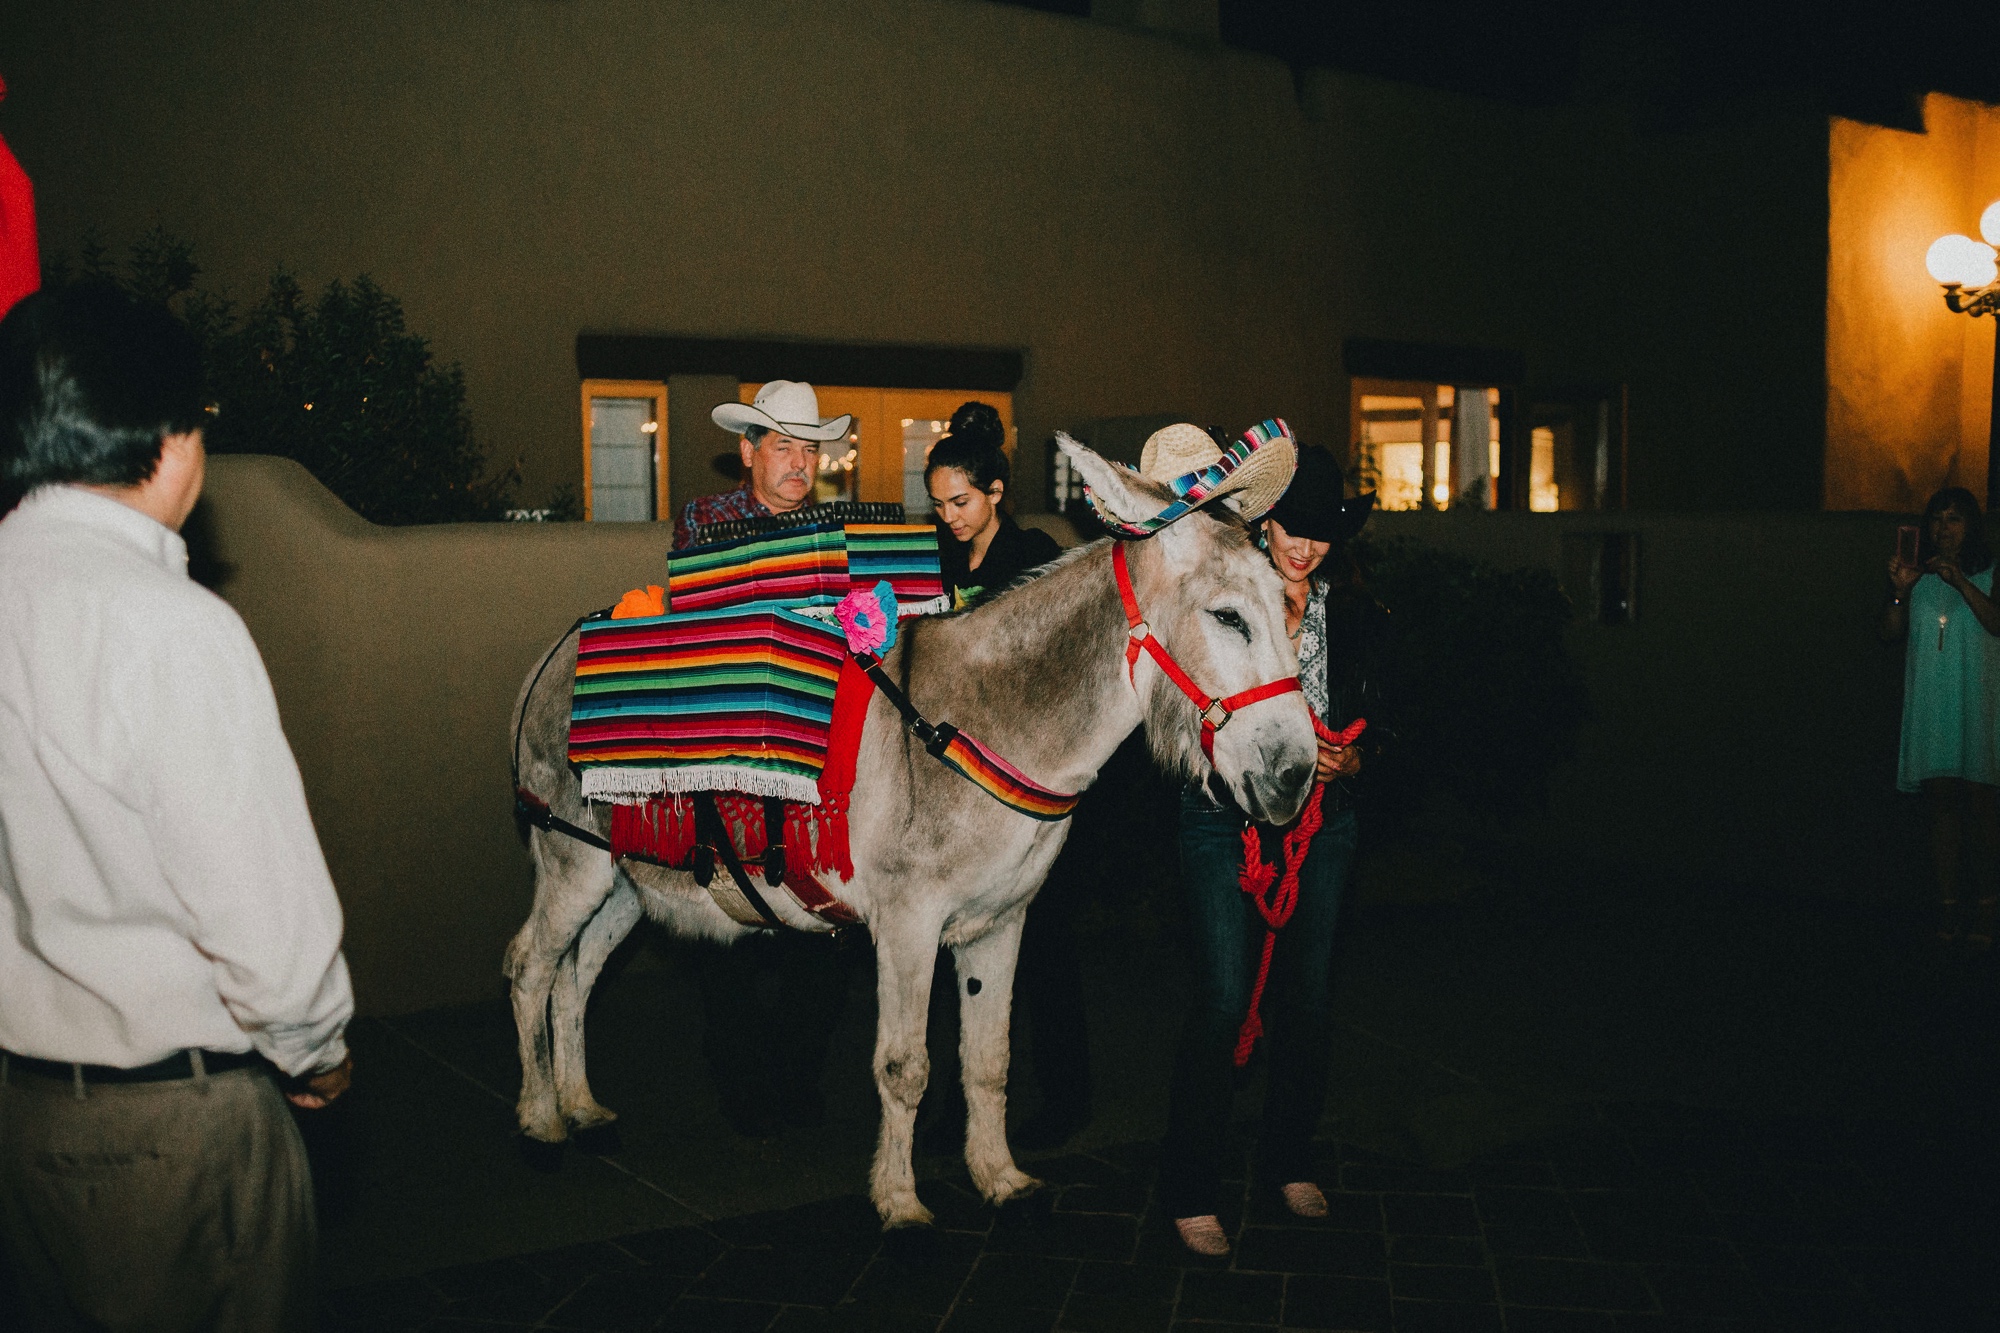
(1304, 1199)
(1203, 1235)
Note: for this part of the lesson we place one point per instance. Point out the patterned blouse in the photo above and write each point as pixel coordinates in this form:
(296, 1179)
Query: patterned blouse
(1312, 650)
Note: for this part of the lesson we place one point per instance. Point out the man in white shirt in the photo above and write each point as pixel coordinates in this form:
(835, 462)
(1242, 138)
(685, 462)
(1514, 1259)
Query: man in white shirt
(168, 931)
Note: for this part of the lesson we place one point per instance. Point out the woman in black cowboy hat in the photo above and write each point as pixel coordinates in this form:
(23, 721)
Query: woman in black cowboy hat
(1331, 622)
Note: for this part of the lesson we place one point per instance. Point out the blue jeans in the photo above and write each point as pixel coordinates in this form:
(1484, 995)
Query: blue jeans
(1228, 938)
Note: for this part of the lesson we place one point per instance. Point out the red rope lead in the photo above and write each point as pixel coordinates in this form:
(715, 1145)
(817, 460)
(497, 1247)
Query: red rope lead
(1275, 895)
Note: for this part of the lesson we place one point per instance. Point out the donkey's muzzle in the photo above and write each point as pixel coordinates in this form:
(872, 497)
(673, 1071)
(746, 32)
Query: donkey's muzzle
(1276, 793)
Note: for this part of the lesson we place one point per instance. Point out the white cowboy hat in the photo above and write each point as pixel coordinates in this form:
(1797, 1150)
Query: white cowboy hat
(1254, 471)
(789, 407)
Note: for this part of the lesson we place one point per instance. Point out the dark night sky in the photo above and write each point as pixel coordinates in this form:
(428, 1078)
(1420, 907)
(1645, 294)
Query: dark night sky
(1678, 61)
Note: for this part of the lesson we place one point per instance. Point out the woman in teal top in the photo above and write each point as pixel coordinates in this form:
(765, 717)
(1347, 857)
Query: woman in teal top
(1951, 720)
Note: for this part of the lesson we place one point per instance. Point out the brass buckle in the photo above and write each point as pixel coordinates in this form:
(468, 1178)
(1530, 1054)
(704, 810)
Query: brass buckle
(1208, 715)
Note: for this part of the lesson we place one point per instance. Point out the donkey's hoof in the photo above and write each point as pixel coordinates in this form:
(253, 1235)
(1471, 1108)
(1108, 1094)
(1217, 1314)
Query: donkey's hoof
(1011, 1185)
(540, 1154)
(598, 1140)
(904, 1212)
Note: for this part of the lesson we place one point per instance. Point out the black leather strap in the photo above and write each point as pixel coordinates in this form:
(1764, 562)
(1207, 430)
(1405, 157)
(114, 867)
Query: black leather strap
(534, 810)
(774, 841)
(934, 738)
(710, 830)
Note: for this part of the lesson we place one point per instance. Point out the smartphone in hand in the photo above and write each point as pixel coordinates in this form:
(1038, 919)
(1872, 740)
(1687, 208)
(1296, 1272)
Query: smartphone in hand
(1906, 545)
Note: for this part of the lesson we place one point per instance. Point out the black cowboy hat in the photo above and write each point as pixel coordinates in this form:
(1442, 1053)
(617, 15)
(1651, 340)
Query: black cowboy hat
(1315, 506)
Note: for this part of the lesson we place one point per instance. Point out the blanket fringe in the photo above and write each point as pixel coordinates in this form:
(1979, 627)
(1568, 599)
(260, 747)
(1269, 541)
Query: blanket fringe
(653, 811)
(612, 784)
(925, 608)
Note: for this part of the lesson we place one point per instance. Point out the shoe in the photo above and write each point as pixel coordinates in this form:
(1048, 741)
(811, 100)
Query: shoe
(1303, 1199)
(1203, 1235)
(1051, 1127)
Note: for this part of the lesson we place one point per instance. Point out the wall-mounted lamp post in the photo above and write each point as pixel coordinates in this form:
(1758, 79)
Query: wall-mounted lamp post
(1969, 270)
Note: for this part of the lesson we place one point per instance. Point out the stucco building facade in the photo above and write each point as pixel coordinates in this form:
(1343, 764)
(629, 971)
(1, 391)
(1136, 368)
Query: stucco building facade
(1151, 222)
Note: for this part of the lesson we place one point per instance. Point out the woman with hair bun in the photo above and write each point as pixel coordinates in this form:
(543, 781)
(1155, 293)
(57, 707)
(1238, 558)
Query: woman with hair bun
(967, 478)
(980, 551)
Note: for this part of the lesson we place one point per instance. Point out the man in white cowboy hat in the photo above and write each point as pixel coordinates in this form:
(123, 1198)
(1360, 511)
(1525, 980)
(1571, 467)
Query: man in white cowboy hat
(767, 1060)
(781, 432)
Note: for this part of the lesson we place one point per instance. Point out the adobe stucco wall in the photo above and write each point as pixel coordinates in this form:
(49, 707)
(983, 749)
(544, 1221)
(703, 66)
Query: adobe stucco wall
(1745, 726)
(1163, 225)
(396, 654)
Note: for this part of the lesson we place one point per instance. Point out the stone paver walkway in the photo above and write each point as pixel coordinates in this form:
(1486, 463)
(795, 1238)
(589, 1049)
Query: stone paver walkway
(1637, 1217)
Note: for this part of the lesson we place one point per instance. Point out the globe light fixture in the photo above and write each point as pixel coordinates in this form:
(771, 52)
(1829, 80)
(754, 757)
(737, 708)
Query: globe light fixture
(1969, 272)
(1960, 261)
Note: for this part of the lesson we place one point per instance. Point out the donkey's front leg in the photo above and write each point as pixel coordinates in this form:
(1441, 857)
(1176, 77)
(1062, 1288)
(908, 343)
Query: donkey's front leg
(905, 955)
(985, 1001)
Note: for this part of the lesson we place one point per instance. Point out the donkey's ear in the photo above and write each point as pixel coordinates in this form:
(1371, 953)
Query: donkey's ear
(1119, 491)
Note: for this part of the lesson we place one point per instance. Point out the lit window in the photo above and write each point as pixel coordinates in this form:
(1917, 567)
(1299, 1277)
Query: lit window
(1543, 495)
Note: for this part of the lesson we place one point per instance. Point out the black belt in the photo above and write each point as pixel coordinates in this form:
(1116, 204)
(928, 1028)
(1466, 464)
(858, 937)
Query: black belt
(176, 1066)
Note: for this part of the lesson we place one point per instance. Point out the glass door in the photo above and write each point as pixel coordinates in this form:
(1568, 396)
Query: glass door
(624, 450)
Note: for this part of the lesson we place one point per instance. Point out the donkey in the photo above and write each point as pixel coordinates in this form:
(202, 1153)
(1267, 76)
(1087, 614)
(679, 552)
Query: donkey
(1039, 675)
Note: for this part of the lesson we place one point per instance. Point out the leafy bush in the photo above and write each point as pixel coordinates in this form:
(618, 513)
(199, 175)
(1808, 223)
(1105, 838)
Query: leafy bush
(1482, 700)
(336, 381)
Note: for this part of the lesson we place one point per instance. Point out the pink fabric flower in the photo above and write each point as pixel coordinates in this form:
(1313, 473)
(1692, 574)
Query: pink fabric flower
(868, 617)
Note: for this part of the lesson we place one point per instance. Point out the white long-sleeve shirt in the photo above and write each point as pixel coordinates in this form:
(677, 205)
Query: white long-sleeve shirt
(161, 886)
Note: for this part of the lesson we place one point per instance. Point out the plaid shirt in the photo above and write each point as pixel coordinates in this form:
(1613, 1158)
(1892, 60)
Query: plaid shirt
(723, 508)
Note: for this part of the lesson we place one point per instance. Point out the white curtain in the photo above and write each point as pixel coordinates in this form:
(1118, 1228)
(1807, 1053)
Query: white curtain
(1471, 447)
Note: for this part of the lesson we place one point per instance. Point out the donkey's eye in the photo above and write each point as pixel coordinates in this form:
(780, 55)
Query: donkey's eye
(1228, 618)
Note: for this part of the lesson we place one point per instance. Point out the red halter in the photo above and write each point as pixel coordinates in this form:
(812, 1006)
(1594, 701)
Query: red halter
(1215, 713)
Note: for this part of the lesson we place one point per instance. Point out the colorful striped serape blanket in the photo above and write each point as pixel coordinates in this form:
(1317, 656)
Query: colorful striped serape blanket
(662, 828)
(737, 699)
(798, 568)
(903, 554)
(808, 567)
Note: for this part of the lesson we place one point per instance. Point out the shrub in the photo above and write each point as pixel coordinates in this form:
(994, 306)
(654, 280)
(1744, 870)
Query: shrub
(1482, 700)
(337, 381)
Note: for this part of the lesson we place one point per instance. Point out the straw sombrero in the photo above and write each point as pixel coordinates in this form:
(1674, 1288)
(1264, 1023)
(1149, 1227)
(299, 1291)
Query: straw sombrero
(1255, 467)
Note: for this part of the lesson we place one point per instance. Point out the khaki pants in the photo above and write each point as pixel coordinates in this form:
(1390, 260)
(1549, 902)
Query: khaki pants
(156, 1206)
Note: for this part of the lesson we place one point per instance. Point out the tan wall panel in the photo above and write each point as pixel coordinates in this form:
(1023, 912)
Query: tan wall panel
(694, 441)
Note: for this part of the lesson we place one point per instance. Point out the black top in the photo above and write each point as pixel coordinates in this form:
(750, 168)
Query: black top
(1357, 629)
(1013, 552)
